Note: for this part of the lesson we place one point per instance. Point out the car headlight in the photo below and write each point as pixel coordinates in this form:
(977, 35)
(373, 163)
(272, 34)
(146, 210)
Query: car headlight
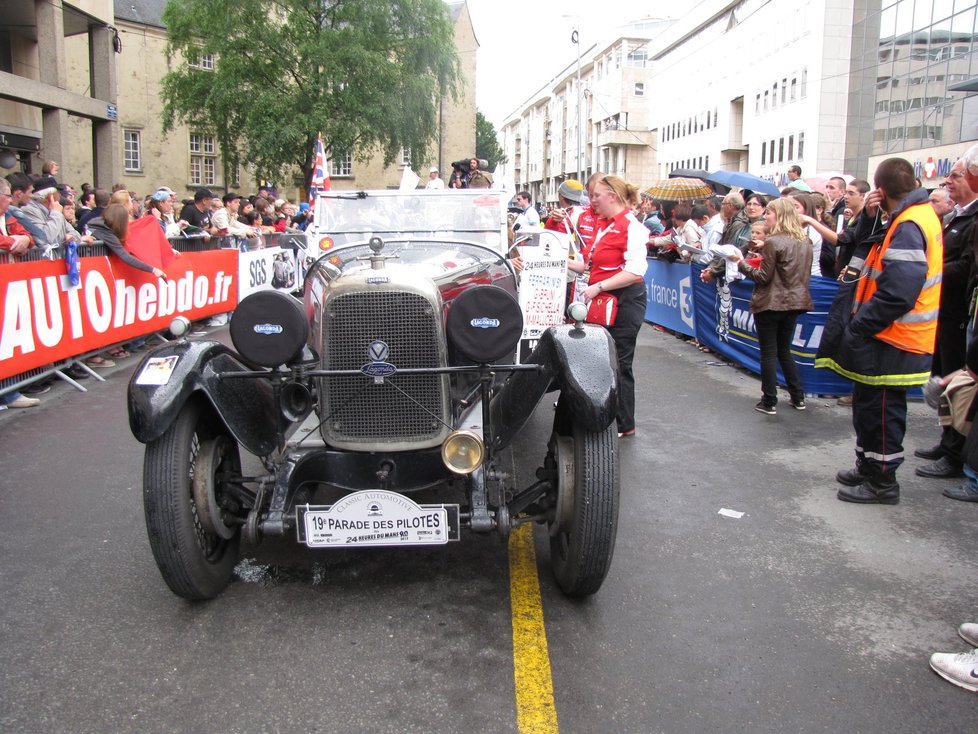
(180, 326)
(269, 328)
(577, 312)
(463, 452)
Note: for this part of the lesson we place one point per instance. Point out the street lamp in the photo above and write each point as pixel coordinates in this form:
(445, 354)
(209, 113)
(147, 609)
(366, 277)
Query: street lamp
(576, 40)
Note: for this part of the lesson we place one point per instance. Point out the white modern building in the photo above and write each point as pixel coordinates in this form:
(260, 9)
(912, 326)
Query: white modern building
(593, 115)
(833, 86)
(755, 85)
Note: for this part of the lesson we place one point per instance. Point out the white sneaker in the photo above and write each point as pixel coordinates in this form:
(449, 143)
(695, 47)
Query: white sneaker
(969, 633)
(220, 319)
(24, 402)
(961, 669)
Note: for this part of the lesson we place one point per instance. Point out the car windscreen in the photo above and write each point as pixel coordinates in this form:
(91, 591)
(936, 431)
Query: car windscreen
(429, 258)
(348, 217)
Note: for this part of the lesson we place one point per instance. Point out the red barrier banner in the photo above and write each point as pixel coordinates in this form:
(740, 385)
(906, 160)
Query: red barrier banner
(46, 320)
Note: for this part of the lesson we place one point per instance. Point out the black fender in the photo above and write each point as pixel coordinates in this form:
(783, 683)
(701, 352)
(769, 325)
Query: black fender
(583, 364)
(245, 405)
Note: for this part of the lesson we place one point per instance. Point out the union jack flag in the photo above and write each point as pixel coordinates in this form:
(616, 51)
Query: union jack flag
(320, 172)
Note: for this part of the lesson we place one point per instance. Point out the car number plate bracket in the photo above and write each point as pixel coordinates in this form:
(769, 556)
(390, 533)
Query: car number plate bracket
(376, 518)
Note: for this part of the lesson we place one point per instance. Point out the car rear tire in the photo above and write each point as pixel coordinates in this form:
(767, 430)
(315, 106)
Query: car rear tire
(582, 548)
(195, 562)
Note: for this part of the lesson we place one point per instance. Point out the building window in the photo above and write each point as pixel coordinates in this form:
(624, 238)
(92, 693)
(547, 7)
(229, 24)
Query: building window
(801, 146)
(784, 90)
(204, 61)
(203, 160)
(638, 58)
(794, 88)
(781, 150)
(766, 93)
(341, 165)
(804, 83)
(132, 156)
(791, 147)
(639, 89)
(763, 153)
(757, 104)
(774, 96)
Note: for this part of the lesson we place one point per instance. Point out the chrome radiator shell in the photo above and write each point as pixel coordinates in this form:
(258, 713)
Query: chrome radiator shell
(397, 412)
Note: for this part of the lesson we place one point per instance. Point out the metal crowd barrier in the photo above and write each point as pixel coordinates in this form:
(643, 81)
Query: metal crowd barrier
(290, 239)
(194, 243)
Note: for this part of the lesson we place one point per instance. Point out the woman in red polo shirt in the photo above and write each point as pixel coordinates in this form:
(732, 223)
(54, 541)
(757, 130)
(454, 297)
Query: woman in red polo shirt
(617, 266)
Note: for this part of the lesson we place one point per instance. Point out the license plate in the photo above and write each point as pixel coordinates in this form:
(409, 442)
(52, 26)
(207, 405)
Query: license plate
(376, 517)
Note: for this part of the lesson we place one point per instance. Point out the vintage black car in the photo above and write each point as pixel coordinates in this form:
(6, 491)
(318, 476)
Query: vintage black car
(379, 407)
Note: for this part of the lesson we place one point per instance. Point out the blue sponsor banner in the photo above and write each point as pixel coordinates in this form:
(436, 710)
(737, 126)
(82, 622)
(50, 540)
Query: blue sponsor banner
(725, 325)
(670, 303)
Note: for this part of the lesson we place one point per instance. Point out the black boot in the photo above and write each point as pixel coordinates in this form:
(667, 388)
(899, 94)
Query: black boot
(851, 477)
(876, 488)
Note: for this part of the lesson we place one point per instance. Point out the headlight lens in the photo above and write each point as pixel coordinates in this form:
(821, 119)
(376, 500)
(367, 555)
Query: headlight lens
(463, 452)
(180, 326)
(577, 311)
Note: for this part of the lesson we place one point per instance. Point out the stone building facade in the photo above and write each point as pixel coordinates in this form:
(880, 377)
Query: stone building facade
(108, 62)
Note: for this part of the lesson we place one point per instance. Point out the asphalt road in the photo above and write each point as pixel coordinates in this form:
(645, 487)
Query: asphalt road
(805, 614)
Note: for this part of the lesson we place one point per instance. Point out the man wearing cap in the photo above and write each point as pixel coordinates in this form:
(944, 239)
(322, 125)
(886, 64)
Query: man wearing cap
(44, 211)
(161, 204)
(564, 217)
(434, 182)
(197, 214)
(226, 221)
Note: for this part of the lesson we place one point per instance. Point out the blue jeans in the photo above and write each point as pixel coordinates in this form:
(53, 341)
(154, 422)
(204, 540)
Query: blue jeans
(9, 397)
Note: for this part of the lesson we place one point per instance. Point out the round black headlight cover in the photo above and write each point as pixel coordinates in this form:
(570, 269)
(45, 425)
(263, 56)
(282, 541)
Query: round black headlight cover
(269, 328)
(485, 323)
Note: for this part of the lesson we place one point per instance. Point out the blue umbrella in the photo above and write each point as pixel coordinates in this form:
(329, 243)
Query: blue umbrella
(745, 181)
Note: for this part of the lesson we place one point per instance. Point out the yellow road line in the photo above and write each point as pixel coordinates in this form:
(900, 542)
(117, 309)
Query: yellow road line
(535, 709)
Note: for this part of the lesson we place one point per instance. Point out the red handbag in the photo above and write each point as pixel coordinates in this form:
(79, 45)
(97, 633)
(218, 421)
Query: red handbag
(602, 310)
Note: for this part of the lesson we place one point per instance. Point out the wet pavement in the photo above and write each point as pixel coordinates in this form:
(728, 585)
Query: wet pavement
(802, 614)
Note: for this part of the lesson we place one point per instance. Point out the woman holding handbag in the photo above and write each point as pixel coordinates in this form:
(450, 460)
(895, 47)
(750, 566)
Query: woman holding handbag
(616, 294)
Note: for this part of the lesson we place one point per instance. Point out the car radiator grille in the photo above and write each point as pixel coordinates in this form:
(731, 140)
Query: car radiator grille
(403, 408)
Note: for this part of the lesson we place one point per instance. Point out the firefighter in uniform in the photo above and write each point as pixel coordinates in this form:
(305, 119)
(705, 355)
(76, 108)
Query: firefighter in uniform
(881, 329)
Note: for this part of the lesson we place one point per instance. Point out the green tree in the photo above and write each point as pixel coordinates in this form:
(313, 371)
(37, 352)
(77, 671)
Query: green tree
(364, 73)
(486, 145)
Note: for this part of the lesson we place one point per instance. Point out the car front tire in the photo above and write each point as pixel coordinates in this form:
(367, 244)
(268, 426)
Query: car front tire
(195, 562)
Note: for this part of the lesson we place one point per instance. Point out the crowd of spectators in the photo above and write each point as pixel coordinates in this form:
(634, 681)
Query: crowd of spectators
(842, 229)
(44, 216)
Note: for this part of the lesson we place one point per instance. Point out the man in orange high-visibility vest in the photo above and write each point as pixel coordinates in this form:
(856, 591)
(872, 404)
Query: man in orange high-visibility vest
(887, 343)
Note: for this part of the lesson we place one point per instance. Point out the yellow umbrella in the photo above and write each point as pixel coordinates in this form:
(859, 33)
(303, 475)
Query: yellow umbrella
(678, 189)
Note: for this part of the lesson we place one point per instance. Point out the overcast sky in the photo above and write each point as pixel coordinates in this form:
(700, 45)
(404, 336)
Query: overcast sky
(523, 43)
